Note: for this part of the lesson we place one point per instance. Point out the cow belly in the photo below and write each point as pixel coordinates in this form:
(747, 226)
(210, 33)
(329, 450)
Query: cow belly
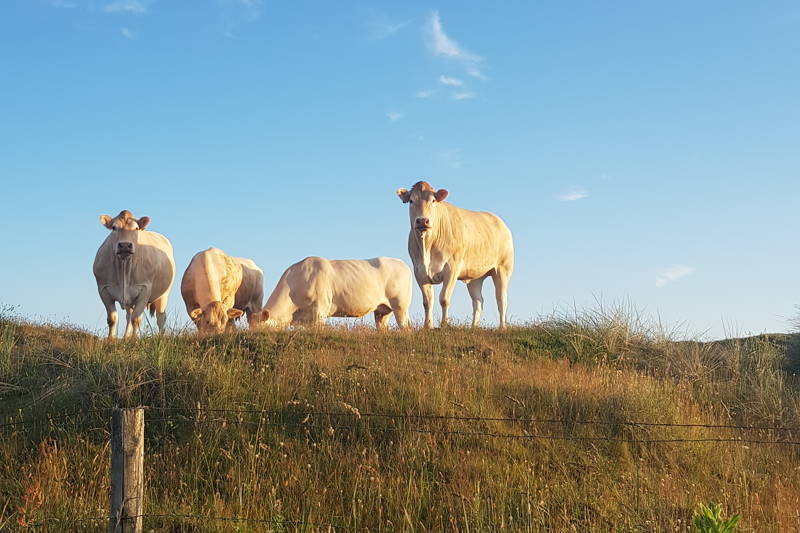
(468, 274)
(353, 307)
(352, 311)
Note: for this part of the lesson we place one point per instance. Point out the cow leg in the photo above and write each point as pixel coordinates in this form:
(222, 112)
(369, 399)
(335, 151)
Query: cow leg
(449, 279)
(111, 312)
(134, 316)
(382, 317)
(316, 314)
(400, 313)
(474, 287)
(128, 322)
(427, 303)
(500, 279)
(160, 307)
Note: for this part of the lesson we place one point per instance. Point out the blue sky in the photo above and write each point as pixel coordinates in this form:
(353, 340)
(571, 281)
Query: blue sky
(639, 151)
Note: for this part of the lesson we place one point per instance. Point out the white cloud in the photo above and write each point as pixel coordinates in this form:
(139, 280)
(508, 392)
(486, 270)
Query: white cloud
(455, 82)
(134, 7)
(476, 73)
(442, 45)
(127, 33)
(394, 116)
(252, 8)
(463, 96)
(574, 195)
(673, 273)
(380, 27)
(425, 94)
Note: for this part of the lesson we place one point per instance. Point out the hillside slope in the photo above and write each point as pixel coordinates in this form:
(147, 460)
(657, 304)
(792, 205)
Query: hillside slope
(289, 430)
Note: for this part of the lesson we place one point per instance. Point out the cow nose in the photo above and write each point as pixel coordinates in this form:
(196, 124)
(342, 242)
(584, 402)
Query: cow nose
(125, 248)
(423, 221)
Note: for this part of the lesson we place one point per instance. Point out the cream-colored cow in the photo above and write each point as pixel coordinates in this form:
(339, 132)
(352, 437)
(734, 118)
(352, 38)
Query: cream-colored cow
(316, 288)
(217, 288)
(135, 268)
(447, 244)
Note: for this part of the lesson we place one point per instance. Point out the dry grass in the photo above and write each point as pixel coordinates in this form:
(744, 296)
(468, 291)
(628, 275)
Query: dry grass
(408, 474)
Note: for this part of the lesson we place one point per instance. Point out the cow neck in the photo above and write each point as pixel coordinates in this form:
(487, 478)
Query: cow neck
(280, 305)
(212, 279)
(437, 237)
(123, 269)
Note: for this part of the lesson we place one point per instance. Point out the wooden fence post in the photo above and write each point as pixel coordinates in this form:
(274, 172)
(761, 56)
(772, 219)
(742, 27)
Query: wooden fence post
(127, 470)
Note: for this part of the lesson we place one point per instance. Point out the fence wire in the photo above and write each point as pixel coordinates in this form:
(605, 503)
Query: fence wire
(315, 420)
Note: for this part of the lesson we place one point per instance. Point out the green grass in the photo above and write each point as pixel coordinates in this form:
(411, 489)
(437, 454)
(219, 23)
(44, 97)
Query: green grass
(288, 467)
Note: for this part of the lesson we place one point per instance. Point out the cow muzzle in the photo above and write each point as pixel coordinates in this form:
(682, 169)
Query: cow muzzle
(422, 224)
(124, 249)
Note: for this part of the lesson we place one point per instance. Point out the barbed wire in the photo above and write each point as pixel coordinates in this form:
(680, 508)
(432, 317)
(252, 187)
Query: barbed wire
(419, 416)
(489, 434)
(478, 418)
(49, 417)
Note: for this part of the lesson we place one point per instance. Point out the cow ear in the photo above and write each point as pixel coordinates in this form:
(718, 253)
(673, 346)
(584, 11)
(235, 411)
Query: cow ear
(234, 313)
(144, 221)
(194, 314)
(440, 195)
(404, 195)
(106, 221)
(265, 314)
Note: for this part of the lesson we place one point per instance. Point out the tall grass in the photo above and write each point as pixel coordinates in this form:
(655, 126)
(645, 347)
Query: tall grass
(289, 466)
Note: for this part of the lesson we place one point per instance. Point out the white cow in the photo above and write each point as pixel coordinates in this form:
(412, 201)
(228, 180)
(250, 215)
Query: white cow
(447, 244)
(316, 288)
(217, 288)
(135, 268)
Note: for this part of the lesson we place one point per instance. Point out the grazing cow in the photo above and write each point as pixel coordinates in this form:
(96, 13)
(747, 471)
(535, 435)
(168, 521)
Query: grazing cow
(217, 288)
(316, 288)
(447, 243)
(135, 268)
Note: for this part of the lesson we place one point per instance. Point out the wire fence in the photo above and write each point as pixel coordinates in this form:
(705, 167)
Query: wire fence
(356, 422)
(352, 421)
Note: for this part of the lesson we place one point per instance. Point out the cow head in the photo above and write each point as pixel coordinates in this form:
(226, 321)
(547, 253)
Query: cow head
(423, 204)
(213, 318)
(126, 228)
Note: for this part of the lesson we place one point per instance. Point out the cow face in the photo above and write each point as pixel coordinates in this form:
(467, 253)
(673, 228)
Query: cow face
(125, 228)
(213, 318)
(423, 202)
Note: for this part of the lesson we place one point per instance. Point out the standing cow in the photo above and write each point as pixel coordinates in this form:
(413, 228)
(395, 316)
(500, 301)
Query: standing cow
(135, 268)
(316, 288)
(217, 288)
(447, 244)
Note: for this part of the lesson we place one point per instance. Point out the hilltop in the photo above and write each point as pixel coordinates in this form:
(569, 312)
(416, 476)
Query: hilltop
(567, 425)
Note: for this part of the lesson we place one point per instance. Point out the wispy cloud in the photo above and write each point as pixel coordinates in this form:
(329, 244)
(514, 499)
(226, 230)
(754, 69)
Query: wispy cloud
(441, 44)
(425, 94)
(234, 13)
(463, 96)
(475, 72)
(455, 82)
(573, 195)
(134, 7)
(673, 273)
(393, 116)
(64, 4)
(380, 27)
(252, 8)
(127, 33)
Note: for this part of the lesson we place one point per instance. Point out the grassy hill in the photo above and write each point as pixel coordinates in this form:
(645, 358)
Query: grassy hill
(295, 443)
